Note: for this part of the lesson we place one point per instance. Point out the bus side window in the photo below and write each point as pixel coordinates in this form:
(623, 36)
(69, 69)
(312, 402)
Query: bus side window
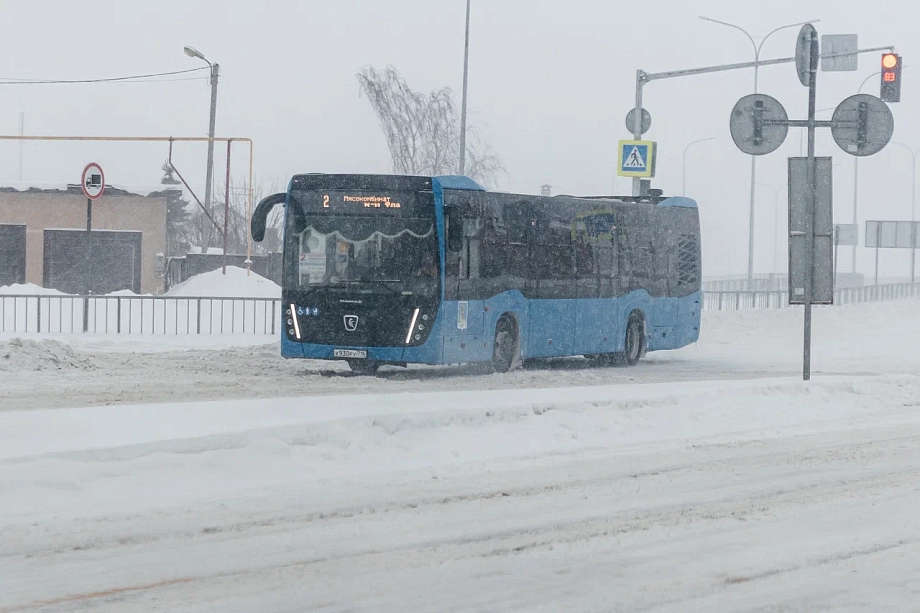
(454, 231)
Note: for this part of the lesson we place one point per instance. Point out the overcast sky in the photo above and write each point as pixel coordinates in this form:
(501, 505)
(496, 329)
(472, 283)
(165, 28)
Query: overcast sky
(550, 82)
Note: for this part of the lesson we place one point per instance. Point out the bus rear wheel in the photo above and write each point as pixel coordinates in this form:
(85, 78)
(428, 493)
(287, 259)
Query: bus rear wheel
(505, 349)
(363, 367)
(633, 347)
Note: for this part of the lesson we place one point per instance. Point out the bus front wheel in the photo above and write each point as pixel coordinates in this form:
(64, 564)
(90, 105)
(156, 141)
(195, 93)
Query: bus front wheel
(363, 367)
(505, 349)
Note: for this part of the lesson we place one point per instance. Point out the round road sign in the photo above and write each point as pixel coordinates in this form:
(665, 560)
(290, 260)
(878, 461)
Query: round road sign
(862, 125)
(803, 53)
(751, 125)
(631, 121)
(93, 181)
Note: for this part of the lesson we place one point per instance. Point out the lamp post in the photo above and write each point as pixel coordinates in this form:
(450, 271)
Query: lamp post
(913, 208)
(683, 191)
(856, 172)
(215, 72)
(775, 224)
(466, 71)
(757, 50)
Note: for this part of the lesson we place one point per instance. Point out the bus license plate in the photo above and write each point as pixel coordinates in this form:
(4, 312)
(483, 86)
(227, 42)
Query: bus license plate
(349, 353)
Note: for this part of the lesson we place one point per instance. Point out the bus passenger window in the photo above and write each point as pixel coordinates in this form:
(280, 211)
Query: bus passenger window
(454, 231)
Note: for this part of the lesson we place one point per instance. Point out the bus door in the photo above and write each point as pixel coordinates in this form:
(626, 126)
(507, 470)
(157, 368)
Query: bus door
(552, 291)
(596, 329)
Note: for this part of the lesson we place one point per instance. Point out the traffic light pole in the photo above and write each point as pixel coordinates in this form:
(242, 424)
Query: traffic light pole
(643, 77)
(810, 218)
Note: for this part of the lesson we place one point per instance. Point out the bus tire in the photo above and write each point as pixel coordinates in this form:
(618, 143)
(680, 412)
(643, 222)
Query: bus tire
(505, 351)
(363, 367)
(634, 346)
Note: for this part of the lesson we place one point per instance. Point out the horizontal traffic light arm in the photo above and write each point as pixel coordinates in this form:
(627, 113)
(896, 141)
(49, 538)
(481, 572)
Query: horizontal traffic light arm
(645, 77)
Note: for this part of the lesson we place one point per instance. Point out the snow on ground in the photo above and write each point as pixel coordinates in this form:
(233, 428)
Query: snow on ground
(236, 283)
(707, 479)
(854, 340)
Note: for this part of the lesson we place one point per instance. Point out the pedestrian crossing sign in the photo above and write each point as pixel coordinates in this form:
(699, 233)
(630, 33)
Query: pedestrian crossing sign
(637, 158)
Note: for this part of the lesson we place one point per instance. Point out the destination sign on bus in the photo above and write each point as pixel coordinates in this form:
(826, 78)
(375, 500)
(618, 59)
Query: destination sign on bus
(364, 203)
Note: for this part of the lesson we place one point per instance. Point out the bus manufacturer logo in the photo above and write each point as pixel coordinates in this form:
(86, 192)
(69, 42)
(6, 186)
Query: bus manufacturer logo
(351, 322)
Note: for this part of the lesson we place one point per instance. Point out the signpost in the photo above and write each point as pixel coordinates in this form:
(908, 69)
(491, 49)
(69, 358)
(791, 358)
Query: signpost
(893, 235)
(846, 234)
(93, 184)
(637, 158)
(862, 125)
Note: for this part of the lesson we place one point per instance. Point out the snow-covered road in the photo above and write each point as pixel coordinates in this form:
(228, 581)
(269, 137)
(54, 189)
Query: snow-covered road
(110, 369)
(740, 491)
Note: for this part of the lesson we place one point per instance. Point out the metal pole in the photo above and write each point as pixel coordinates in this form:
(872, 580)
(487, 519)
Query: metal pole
(913, 219)
(878, 243)
(812, 202)
(88, 263)
(637, 123)
(855, 205)
(856, 177)
(684, 165)
(466, 69)
(215, 71)
(776, 231)
(22, 128)
(836, 251)
(750, 269)
(226, 206)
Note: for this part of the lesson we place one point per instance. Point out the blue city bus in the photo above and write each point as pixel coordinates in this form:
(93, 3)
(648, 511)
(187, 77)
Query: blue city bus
(402, 270)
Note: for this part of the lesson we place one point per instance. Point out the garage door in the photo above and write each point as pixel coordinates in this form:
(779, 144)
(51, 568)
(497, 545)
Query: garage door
(116, 261)
(12, 254)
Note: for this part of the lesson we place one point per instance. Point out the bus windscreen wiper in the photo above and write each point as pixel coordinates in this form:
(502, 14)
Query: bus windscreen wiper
(381, 282)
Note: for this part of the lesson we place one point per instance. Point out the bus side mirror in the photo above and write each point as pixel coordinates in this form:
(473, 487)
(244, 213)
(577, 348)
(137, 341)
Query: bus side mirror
(260, 216)
(454, 231)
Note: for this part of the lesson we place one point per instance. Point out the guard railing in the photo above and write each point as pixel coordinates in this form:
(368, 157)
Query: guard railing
(63, 314)
(776, 299)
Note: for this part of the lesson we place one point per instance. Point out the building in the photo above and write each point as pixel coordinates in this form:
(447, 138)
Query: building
(43, 240)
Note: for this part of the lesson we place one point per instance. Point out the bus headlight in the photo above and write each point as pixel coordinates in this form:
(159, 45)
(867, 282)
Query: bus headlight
(296, 323)
(412, 326)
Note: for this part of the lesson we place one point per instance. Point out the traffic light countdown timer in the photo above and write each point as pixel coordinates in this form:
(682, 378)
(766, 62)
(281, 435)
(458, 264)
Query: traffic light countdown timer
(891, 77)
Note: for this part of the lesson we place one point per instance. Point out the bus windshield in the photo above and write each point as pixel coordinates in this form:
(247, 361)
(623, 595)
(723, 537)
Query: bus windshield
(345, 242)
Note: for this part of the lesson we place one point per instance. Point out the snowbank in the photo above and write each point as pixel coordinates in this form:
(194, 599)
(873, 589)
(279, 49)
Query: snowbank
(23, 355)
(28, 289)
(236, 283)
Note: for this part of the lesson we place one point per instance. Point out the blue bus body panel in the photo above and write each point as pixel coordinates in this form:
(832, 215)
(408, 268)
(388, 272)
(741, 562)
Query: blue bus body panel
(549, 328)
(678, 201)
(458, 182)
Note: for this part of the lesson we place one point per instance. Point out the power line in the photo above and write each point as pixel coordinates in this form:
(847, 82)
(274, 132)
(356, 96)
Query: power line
(107, 80)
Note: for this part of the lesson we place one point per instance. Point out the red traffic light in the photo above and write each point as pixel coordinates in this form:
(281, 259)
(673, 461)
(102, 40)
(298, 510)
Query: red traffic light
(891, 77)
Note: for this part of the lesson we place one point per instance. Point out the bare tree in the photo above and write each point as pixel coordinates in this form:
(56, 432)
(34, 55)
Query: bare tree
(423, 130)
(238, 221)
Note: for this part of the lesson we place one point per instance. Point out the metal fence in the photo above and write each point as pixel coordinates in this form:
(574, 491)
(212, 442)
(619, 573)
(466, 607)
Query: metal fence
(738, 300)
(139, 315)
(204, 315)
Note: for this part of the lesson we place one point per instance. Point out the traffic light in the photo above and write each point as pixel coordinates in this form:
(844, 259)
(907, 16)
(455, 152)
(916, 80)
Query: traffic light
(891, 77)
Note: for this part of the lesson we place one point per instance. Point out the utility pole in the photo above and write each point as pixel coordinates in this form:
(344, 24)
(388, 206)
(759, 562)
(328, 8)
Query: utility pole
(215, 73)
(466, 70)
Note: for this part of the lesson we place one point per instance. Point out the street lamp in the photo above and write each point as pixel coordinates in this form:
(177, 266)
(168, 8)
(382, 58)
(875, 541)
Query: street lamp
(683, 191)
(215, 71)
(466, 70)
(913, 207)
(757, 49)
(775, 224)
(856, 172)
